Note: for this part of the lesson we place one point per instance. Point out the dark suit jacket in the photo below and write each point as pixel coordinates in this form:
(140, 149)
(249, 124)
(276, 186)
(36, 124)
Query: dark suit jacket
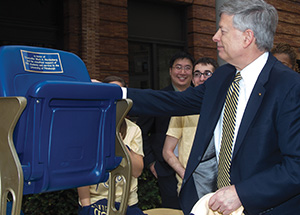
(154, 131)
(266, 159)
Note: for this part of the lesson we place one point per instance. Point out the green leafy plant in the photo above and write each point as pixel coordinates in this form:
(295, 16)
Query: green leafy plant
(64, 202)
(148, 191)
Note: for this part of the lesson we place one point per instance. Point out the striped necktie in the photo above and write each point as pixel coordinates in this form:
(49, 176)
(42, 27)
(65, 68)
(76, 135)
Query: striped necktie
(228, 127)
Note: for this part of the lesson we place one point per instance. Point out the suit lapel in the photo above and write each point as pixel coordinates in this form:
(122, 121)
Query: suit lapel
(254, 103)
(212, 106)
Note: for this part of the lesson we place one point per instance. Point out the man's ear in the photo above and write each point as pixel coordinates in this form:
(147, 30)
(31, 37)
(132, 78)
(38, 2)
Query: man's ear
(248, 38)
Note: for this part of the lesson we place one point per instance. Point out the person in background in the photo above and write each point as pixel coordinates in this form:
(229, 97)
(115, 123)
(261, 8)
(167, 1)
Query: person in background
(286, 55)
(93, 199)
(154, 132)
(258, 170)
(181, 133)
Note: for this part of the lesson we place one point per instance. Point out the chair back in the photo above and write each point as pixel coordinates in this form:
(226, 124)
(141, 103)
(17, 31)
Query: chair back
(65, 137)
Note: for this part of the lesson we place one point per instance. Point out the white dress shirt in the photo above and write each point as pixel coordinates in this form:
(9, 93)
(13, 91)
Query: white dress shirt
(124, 92)
(249, 77)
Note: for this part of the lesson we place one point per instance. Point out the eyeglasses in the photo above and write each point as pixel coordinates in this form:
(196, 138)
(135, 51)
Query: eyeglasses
(180, 67)
(206, 74)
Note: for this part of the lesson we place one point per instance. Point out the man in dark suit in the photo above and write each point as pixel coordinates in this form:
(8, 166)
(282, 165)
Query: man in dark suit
(154, 131)
(265, 160)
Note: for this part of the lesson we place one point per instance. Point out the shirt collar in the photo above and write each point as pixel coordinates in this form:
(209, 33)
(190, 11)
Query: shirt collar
(251, 72)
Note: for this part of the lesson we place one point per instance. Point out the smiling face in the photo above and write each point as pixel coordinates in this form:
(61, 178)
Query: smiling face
(181, 73)
(230, 41)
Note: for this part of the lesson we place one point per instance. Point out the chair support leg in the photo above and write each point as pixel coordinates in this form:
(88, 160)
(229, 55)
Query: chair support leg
(11, 173)
(124, 169)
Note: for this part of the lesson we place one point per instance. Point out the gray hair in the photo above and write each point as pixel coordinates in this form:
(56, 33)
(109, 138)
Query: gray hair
(257, 15)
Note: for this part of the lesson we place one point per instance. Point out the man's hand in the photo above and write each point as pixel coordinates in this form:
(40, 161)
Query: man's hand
(225, 200)
(152, 169)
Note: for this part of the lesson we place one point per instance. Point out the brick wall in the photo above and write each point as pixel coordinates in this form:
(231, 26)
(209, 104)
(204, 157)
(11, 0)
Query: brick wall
(72, 26)
(288, 29)
(97, 31)
(201, 28)
(113, 32)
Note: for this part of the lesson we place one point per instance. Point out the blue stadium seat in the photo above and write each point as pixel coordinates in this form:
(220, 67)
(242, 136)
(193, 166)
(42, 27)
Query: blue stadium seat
(65, 137)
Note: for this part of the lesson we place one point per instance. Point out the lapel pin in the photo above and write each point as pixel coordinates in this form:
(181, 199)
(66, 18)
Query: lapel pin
(259, 94)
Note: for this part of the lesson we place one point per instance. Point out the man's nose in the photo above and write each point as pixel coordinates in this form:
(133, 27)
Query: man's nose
(216, 37)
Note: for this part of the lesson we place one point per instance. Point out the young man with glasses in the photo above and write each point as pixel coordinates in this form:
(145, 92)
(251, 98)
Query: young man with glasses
(181, 134)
